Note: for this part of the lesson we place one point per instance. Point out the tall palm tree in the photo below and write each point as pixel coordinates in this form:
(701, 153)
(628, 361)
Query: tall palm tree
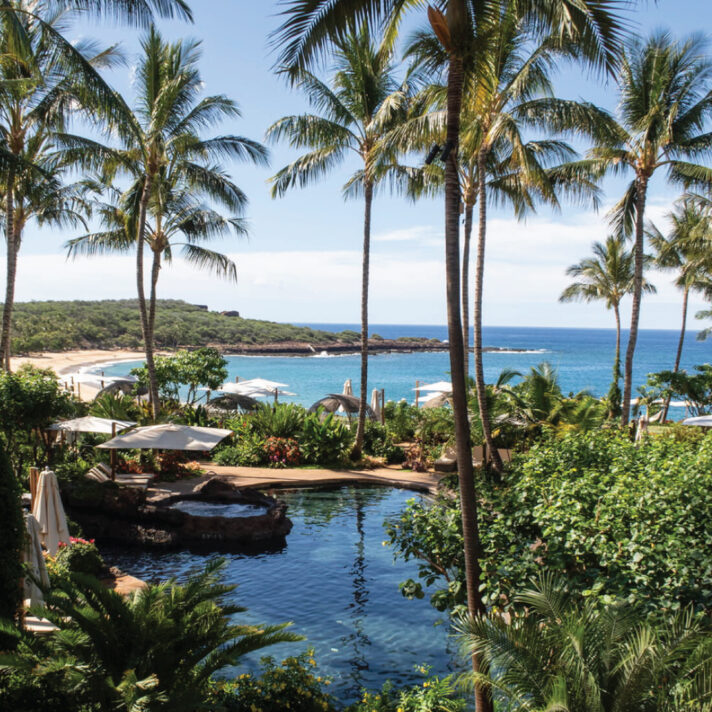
(608, 276)
(567, 653)
(162, 147)
(308, 31)
(45, 77)
(507, 89)
(685, 250)
(662, 117)
(363, 102)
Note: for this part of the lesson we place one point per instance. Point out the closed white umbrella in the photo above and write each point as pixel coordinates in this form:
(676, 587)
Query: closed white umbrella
(34, 559)
(702, 421)
(168, 436)
(348, 388)
(92, 424)
(49, 513)
(376, 402)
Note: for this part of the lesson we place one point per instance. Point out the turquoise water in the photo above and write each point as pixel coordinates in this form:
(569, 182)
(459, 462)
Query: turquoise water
(583, 358)
(338, 584)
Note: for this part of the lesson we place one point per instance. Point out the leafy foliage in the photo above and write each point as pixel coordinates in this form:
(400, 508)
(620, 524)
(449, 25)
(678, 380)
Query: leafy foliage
(617, 520)
(325, 441)
(81, 557)
(281, 452)
(570, 653)
(12, 532)
(694, 388)
(156, 649)
(201, 367)
(284, 420)
(292, 684)
(59, 326)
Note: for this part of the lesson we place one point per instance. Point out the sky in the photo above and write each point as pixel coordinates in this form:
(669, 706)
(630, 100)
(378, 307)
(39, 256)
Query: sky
(302, 260)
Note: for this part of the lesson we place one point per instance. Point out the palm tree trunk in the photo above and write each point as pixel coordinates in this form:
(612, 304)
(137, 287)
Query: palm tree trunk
(468, 496)
(365, 268)
(614, 394)
(147, 335)
(465, 301)
(678, 355)
(155, 271)
(11, 272)
(479, 279)
(640, 196)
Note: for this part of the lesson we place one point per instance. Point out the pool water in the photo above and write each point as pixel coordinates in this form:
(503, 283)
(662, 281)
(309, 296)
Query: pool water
(214, 509)
(338, 584)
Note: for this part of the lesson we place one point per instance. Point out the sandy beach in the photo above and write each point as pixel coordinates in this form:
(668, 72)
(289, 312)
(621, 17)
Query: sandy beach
(70, 361)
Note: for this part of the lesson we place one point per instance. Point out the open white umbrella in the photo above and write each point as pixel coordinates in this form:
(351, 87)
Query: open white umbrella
(168, 436)
(702, 421)
(91, 424)
(34, 559)
(47, 509)
(438, 387)
(255, 388)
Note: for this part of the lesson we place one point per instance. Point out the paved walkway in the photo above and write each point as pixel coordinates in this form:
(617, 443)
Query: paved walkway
(266, 478)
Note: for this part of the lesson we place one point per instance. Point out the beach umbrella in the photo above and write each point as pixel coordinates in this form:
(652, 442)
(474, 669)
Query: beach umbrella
(702, 421)
(47, 509)
(438, 387)
(348, 388)
(376, 402)
(168, 436)
(332, 402)
(255, 388)
(34, 559)
(91, 424)
(435, 400)
(231, 402)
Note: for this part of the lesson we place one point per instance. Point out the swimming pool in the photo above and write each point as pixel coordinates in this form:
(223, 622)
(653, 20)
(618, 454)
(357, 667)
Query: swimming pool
(338, 584)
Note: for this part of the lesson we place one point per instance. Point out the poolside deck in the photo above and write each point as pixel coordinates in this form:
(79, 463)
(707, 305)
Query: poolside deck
(265, 478)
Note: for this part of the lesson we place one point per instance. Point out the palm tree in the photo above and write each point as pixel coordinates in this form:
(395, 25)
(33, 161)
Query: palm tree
(44, 77)
(162, 643)
(568, 653)
(686, 251)
(608, 276)
(664, 103)
(363, 103)
(162, 150)
(308, 31)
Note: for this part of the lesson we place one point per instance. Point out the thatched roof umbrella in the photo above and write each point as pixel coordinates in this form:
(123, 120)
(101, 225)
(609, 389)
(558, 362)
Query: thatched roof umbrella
(228, 402)
(334, 401)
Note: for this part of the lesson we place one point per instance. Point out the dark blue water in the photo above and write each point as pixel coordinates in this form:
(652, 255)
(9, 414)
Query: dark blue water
(583, 358)
(338, 584)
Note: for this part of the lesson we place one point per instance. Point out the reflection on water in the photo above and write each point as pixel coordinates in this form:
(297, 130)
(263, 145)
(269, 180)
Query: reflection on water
(214, 509)
(336, 582)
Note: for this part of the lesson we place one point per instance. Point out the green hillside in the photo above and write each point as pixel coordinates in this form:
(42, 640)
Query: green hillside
(60, 326)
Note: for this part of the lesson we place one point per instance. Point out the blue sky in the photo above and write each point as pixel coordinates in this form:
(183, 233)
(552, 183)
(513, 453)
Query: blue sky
(302, 260)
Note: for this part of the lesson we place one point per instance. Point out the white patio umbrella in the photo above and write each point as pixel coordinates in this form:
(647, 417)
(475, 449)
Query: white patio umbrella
(348, 388)
(34, 559)
(438, 387)
(376, 402)
(256, 388)
(49, 513)
(702, 421)
(92, 424)
(168, 436)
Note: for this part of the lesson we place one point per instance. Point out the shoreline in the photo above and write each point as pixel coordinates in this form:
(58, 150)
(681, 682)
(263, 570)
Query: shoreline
(62, 362)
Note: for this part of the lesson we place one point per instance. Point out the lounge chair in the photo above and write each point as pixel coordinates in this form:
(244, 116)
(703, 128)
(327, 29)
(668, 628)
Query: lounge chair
(102, 473)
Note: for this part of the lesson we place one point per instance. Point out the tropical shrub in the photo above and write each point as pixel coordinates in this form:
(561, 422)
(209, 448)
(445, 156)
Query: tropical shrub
(695, 388)
(283, 420)
(325, 441)
(432, 695)
(172, 465)
(30, 400)
(12, 532)
(617, 520)
(115, 406)
(401, 420)
(377, 441)
(573, 653)
(81, 557)
(203, 367)
(281, 452)
(248, 451)
(155, 649)
(291, 685)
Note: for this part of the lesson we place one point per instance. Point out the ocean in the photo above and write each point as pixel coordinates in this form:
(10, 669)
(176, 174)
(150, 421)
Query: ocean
(583, 359)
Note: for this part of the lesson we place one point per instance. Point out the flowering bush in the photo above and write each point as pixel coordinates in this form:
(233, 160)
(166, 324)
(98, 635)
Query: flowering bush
(433, 695)
(174, 465)
(282, 452)
(291, 685)
(81, 557)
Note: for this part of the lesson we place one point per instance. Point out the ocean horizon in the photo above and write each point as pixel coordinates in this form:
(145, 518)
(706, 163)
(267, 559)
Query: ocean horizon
(582, 357)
